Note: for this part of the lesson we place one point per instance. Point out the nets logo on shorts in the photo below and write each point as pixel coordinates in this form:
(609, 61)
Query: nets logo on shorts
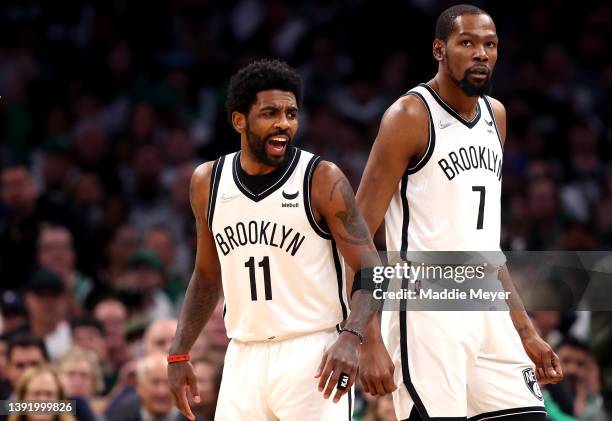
(532, 383)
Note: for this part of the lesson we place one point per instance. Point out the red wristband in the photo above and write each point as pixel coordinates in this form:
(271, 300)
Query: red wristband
(178, 358)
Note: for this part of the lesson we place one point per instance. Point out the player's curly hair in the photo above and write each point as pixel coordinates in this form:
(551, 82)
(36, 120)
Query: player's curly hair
(261, 75)
(446, 21)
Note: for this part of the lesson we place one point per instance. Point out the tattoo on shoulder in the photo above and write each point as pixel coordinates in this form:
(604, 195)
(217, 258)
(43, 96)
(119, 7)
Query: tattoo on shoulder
(352, 221)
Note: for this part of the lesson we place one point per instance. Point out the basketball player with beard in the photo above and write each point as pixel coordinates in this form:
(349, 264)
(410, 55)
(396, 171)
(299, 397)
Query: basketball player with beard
(271, 222)
(434, 175)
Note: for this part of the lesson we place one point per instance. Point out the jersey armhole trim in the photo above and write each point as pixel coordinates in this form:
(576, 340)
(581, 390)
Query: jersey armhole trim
(431, 142)
(320, 230)
(488, 104)
(215, 178)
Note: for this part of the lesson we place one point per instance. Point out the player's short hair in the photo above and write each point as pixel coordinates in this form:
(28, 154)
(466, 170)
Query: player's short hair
(446, 21)
(261, 75)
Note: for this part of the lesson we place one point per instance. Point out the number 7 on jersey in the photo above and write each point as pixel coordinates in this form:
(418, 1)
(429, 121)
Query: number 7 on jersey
(483, 193)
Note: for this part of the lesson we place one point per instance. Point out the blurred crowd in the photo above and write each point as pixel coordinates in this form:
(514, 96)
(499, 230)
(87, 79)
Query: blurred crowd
(107, 107)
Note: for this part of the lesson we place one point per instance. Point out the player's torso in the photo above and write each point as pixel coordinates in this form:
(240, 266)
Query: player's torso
(282, 275)
(450, 200)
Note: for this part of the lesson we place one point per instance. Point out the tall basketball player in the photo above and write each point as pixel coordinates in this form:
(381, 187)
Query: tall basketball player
(271, 222)
(426, 177)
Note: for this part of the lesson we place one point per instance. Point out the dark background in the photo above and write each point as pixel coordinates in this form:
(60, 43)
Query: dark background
(111, 104)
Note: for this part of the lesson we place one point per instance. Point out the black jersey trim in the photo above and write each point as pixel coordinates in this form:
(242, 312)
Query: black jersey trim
(492, 114)
(505, 412)
(319, 229)
(431, 141)
(214, 188)
(340, 279)
(406, 369)
(405, 215)
(274, 186)
(468, 123)
(418, 403)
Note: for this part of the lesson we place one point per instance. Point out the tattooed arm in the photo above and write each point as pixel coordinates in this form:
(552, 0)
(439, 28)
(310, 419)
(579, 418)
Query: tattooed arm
(333, 201)
(202, 293)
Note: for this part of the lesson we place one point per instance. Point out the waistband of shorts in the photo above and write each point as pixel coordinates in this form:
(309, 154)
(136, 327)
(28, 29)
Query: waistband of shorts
(283, 338)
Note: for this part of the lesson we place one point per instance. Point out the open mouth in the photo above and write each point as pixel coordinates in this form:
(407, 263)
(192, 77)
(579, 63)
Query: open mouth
(276, 145)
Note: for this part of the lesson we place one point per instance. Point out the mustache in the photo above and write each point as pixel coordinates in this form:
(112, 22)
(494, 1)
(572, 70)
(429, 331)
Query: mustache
(479, 67)
(279, 133)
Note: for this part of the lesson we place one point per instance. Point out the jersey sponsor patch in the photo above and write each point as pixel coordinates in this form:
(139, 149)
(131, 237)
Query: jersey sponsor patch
(290, 196)
(532, 383)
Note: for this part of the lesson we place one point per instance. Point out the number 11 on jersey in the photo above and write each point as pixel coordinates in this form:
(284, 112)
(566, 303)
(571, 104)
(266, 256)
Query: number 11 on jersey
(265, 265)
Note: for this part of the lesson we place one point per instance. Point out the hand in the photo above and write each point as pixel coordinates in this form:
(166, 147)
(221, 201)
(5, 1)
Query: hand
(548, 367)
(181, 378)
(376, 368)
(342, 357)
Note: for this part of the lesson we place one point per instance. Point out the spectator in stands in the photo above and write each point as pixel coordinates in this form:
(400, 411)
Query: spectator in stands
(23, 351)
(143, 281)
(215, 330)
(578, 394)
(156, 340)
(13, 313)
(56, 253)
(547, 324)
(158, 336)
(208, 377)
(153, 399)
(40, 383)
(88, 333)
(159, 239)
(112, 314)
(124, 241)
(5, 386)
(46, 301)
(19, 229)
(148, 206)
(81, 376)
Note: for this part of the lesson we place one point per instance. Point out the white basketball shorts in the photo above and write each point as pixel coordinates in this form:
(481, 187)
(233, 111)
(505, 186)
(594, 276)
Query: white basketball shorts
(265, 381)
(459, 365)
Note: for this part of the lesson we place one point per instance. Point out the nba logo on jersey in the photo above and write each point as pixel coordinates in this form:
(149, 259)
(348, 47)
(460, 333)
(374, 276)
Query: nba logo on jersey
(532, 383)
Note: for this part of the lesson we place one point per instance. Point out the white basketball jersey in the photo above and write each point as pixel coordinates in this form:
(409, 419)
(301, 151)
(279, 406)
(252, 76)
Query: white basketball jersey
(450, 199)
(282, 273)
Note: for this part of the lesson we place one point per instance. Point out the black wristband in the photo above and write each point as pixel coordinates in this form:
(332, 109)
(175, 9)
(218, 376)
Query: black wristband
(354, 332)
(364, 279)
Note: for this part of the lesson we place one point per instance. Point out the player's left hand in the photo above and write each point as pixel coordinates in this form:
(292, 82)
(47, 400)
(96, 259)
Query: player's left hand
(548, 366)
(341, 358)
(376, 368)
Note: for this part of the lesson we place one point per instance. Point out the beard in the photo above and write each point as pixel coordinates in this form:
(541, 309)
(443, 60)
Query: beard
(257, 146)
(469, 88)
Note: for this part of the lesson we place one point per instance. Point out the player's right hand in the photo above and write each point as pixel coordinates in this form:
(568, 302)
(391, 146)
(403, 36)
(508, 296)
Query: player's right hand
(181, 379)
(376, 368)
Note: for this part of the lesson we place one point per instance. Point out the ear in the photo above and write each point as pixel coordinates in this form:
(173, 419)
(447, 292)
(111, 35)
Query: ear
(439, 49)
(239, 121)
